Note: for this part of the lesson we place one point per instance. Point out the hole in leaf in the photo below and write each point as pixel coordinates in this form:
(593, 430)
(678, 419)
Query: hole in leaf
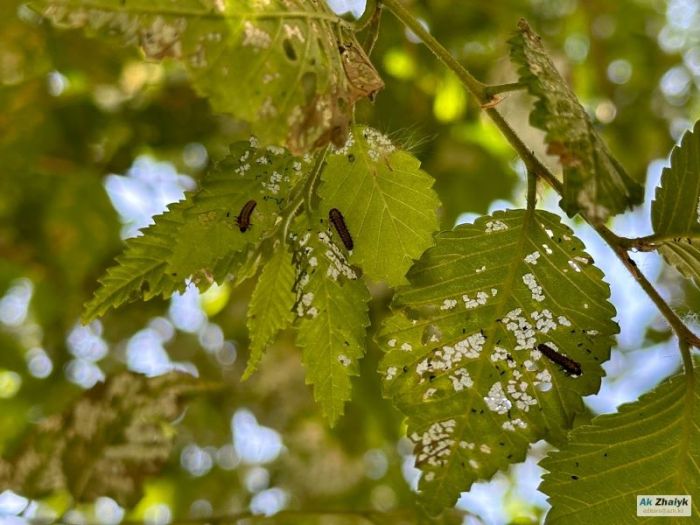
(431, 334)
(289, 50)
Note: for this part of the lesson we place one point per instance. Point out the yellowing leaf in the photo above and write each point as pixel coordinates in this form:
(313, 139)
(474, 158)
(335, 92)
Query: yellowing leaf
(112, 437)
(291, 68)
(463, 362)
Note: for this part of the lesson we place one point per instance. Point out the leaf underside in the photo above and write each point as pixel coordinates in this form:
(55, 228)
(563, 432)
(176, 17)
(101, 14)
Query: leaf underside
(651, 446)
(462, 362)
(290, 68)
(594, 182)
(199, 238)
(675, 212)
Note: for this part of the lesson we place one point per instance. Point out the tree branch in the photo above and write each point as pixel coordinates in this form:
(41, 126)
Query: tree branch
(481, 92)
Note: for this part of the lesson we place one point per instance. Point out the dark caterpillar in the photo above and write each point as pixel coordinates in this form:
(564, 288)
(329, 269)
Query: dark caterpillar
(243, 219)
(567, 364)
(338, 221)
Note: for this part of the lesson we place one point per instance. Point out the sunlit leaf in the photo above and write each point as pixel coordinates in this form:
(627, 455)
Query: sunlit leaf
(291, 68)
(651, 446)
(141, 270)
(211, 241)
(387, 202)
(594, 182)
(333, 318)
(675, 212)
(113, 437)
(462, 359)
(270, 308)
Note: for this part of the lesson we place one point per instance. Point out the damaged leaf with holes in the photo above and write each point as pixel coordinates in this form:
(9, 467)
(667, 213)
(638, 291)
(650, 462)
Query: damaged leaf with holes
(332, 315)
(594, 181)
(675, 212)
(387, 201)
(199, 239)
(462, 358)
(291, 68)
(106, 444)
(651, 446)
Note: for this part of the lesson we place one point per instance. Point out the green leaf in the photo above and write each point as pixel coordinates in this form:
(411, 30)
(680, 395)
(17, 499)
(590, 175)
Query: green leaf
(675, 212)
(387, 202)
(200, 237)
(462, 362)
(270, 308)
(114, 436)
(210, 237)
(594, 182)
(292, 69)
(141, 270)
(333, 319)
(651, 446)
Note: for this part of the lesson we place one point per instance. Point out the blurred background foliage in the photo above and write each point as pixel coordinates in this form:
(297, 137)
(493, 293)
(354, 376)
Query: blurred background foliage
(94, 141)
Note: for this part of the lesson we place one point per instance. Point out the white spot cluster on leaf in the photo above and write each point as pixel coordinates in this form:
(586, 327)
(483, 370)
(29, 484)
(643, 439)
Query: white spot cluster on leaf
(536, 290)
(448, 304)
(574, 266)
(445, 357)
(496, 400)
(495, 226)
(479, 300)
(379, 145)
(461, 380)
(346, 147)
(532, 257)
(544, 321)
(434, 444)
(429, 393)
(294, 31)
(513, 424)
(254, 36)
(339, 263)
(521, 329)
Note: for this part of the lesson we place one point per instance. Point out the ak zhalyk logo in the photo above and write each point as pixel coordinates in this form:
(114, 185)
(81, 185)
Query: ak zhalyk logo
(655, 505)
